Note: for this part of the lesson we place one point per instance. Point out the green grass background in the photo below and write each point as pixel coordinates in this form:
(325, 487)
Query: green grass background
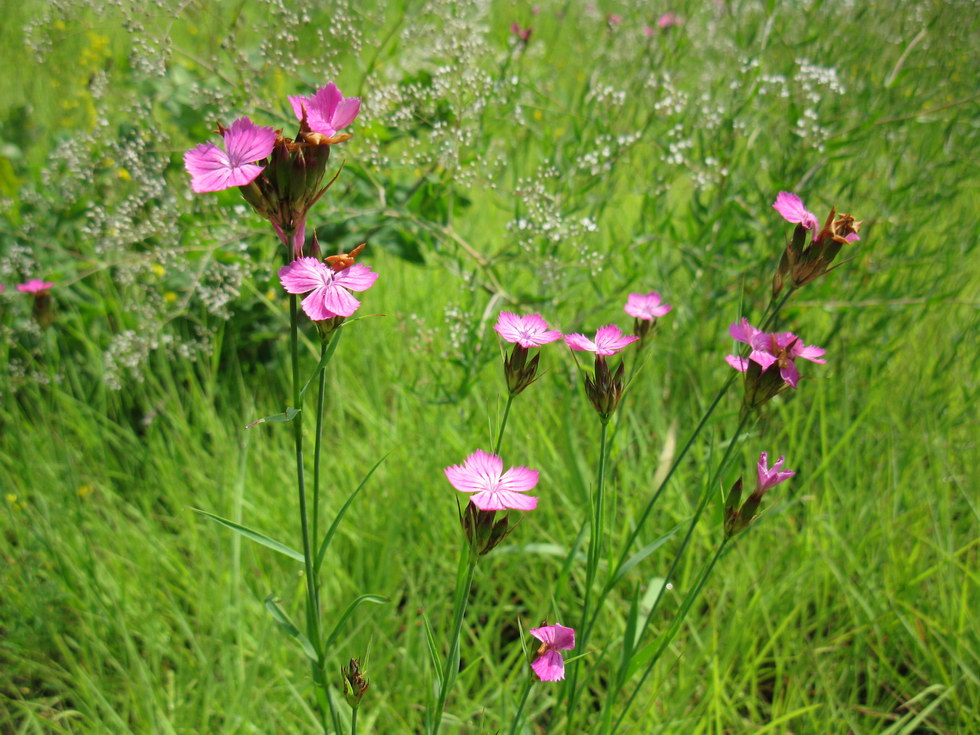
(849, 608)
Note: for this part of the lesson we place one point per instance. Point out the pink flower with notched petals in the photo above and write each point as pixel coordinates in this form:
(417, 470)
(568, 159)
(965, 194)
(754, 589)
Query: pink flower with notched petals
(213, 169)
(327, 111)
(329, 295)
(549, 665)
(527, 331)
(668, 20)
(608, 341)
(34, 285)
(768, 349)
(769, 478)
(492, 489)
(792, 209)
(646, 306)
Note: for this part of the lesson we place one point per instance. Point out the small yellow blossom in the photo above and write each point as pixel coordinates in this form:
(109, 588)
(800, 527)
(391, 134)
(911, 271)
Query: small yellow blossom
(84, 491)
(158, 270)
(11, 498)
(170, 297)
(537, 115)
(123, 174)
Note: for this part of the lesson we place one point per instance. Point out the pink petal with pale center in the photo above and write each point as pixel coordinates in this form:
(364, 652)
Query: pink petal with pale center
(739, 363)
(610, 339)
(357, 278)
(527, 331)
(791, 207)
(646, 306)
(555, 636)
(580, 342)
(213, 169)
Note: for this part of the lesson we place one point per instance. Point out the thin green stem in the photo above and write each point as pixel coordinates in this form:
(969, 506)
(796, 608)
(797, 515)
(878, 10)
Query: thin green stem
(317, 449)
(591, 569)
(503, 424)
(353, 722)
(516, 723)
(464, 582)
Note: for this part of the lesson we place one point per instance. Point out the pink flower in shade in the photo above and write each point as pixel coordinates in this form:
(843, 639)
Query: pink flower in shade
(608, 341)
(327, 111)
(648, 31)
(527, 331)
(668, 20)
(521, 34)
(2, 288)
(34, 285)
(780, 348)
(213, 169)
(769, 478)
(646, 306)
(330, 296)
(481, 475)
(791, 208)
(549, 665)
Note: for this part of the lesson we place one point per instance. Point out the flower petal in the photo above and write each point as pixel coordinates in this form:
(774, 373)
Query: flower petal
(610, 339)
(789, 373)
(488, 465)
(743, 331)
(304, 274)
(508, 326)
(580, 342)
(549, 666)
(247, 142)
(739, 363)
(339, 300)
(345, 113)
(791, 207)
(519, 479)
(515, 501)
(487, 500)
(315, 305)
(209, 168)
(357, 278)
(465, 480)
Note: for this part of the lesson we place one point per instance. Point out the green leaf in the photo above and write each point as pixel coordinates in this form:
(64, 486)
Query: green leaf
(335, 633)
(278, 418)
(322, 551)
(287, 626)
(640, 556)
(255, 536)
(430, 642)
(324, 358)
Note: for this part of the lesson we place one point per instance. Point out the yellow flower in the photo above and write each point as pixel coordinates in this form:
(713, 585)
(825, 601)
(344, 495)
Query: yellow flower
(158, 269)
(170, 297)
(123, 174)
(537, 115)
(84, 491)
(11, 498)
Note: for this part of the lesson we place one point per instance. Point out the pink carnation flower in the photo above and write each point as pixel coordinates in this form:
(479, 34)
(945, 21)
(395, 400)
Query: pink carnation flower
(481, 474)
(608, 341)
(549, 665)
(527, 331)
(330, 296)
(769, 478)
(327, 111)
(668, 20)
(646, 306)
(791, 208)
(34, 285)
(780, 348)
(213, 169)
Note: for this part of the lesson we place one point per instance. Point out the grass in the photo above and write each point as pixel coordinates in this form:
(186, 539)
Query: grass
(847, 608)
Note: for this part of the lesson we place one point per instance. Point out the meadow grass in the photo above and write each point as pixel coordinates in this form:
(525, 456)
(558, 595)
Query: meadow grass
(849, 607)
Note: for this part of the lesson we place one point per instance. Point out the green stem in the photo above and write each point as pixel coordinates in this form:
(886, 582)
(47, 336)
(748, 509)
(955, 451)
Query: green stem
(503, 424)
(353, 722)
(515, 725)
(317, 449)
(591, 569)
(464, 582)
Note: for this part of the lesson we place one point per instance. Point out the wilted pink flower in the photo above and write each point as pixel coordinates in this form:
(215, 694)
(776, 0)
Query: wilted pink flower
(481, 475)
(327, 111)
(549, 665)
(769, 478)
(329, 297)
(213, 169)
(646, 306)
(668, 20)
(608, 341)
(527, 331)
(34, 285)
(780, 348)
(791, 208)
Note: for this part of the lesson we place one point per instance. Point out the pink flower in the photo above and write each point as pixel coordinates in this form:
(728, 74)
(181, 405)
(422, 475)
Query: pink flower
(549, 665)
(327, 111)
(521, 34)
(791, 208)
(527, 331)
(667, 20)
(608, 341)
(780, 348)
(646, 306)
(648, 31)
(769, 478)
(614, 20)
(329, 297)
(212, 169)
(481, 475)
(34, 286)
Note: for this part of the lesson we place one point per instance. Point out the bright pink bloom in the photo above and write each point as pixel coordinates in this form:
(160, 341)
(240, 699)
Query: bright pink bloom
(791, 208)
(527, 331)
(646, 306)
(329, 297)
(768, 349)
(327, 111)
(2, 288)
(608, 341)
(481, 475)
(34, 286)
(769, 478)
(522, 34)
(212, 169)
(549, 665)
(852, 237)
(667, 20)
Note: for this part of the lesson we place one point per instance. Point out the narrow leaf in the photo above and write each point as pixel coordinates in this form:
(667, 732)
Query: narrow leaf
(286, 625)
(430, 642)
(278, 418)
(255, 536)
(640, 556)
(327, 354)
(335, 633)
(322, 551)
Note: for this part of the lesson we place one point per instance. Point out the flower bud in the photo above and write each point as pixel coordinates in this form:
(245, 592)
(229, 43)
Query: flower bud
(520, 372)
(353, 684)
(483, 530)
(605, 388)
